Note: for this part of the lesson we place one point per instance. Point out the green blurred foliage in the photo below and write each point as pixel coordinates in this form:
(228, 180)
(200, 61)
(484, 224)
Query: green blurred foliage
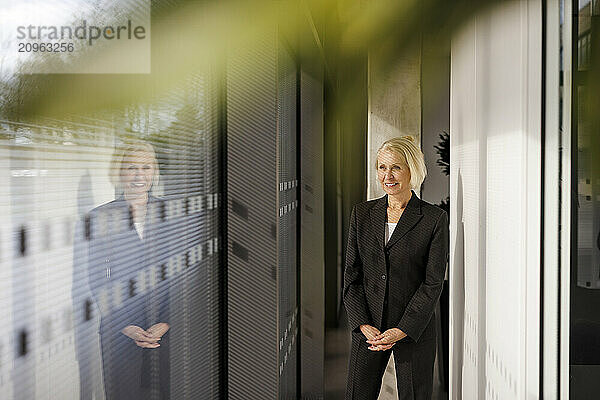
(188, 36)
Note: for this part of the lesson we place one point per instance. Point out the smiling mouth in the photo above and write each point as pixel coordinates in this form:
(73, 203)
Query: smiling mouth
(391, 184)
(138, 184)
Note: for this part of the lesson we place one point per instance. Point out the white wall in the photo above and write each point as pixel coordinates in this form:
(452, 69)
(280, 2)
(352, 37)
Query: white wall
(495, 198)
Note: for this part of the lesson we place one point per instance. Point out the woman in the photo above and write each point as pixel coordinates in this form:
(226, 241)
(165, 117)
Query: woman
(395, 265)
(127, 246)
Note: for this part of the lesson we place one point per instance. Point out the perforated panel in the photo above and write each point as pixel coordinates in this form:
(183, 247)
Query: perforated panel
(253, 218)
(262, 188)
(288, 216)
(312, 237)
(495, 204)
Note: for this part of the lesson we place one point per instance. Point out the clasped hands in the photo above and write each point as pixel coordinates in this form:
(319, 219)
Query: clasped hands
(381, 341)
(148, 338)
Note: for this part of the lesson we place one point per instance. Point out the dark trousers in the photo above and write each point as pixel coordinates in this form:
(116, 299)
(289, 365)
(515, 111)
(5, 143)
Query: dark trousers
(413, 362)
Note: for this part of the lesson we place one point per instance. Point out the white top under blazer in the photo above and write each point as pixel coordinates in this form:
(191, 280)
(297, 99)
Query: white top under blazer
(389, 229)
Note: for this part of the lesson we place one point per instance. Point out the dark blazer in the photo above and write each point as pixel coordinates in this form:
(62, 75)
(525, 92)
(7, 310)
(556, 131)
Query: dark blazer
(406, 275)
(397, 284)
(118, 259)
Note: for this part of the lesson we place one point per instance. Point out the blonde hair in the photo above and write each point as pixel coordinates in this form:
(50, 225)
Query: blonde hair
(127, 148)
(413, 156)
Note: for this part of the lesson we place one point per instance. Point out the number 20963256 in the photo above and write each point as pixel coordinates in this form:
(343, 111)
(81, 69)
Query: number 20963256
(45, 47)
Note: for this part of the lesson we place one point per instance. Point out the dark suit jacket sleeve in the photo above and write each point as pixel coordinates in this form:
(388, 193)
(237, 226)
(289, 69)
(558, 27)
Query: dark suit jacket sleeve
(422, 304)
(354, 291)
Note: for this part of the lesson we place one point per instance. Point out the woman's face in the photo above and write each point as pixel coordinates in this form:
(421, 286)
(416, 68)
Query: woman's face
(393, 173)
(137, 172)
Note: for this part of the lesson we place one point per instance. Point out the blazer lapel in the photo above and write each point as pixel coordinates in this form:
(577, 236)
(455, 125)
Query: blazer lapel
(410, 217)
(378, 218)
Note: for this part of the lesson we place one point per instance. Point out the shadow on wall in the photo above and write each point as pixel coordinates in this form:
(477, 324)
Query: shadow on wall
(457, 280)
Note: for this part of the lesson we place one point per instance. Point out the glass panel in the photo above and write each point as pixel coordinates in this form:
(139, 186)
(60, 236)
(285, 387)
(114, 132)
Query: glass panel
(585, 269)
(109, 239)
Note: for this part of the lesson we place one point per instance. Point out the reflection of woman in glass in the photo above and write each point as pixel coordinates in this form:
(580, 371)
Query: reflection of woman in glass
(127, 249)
